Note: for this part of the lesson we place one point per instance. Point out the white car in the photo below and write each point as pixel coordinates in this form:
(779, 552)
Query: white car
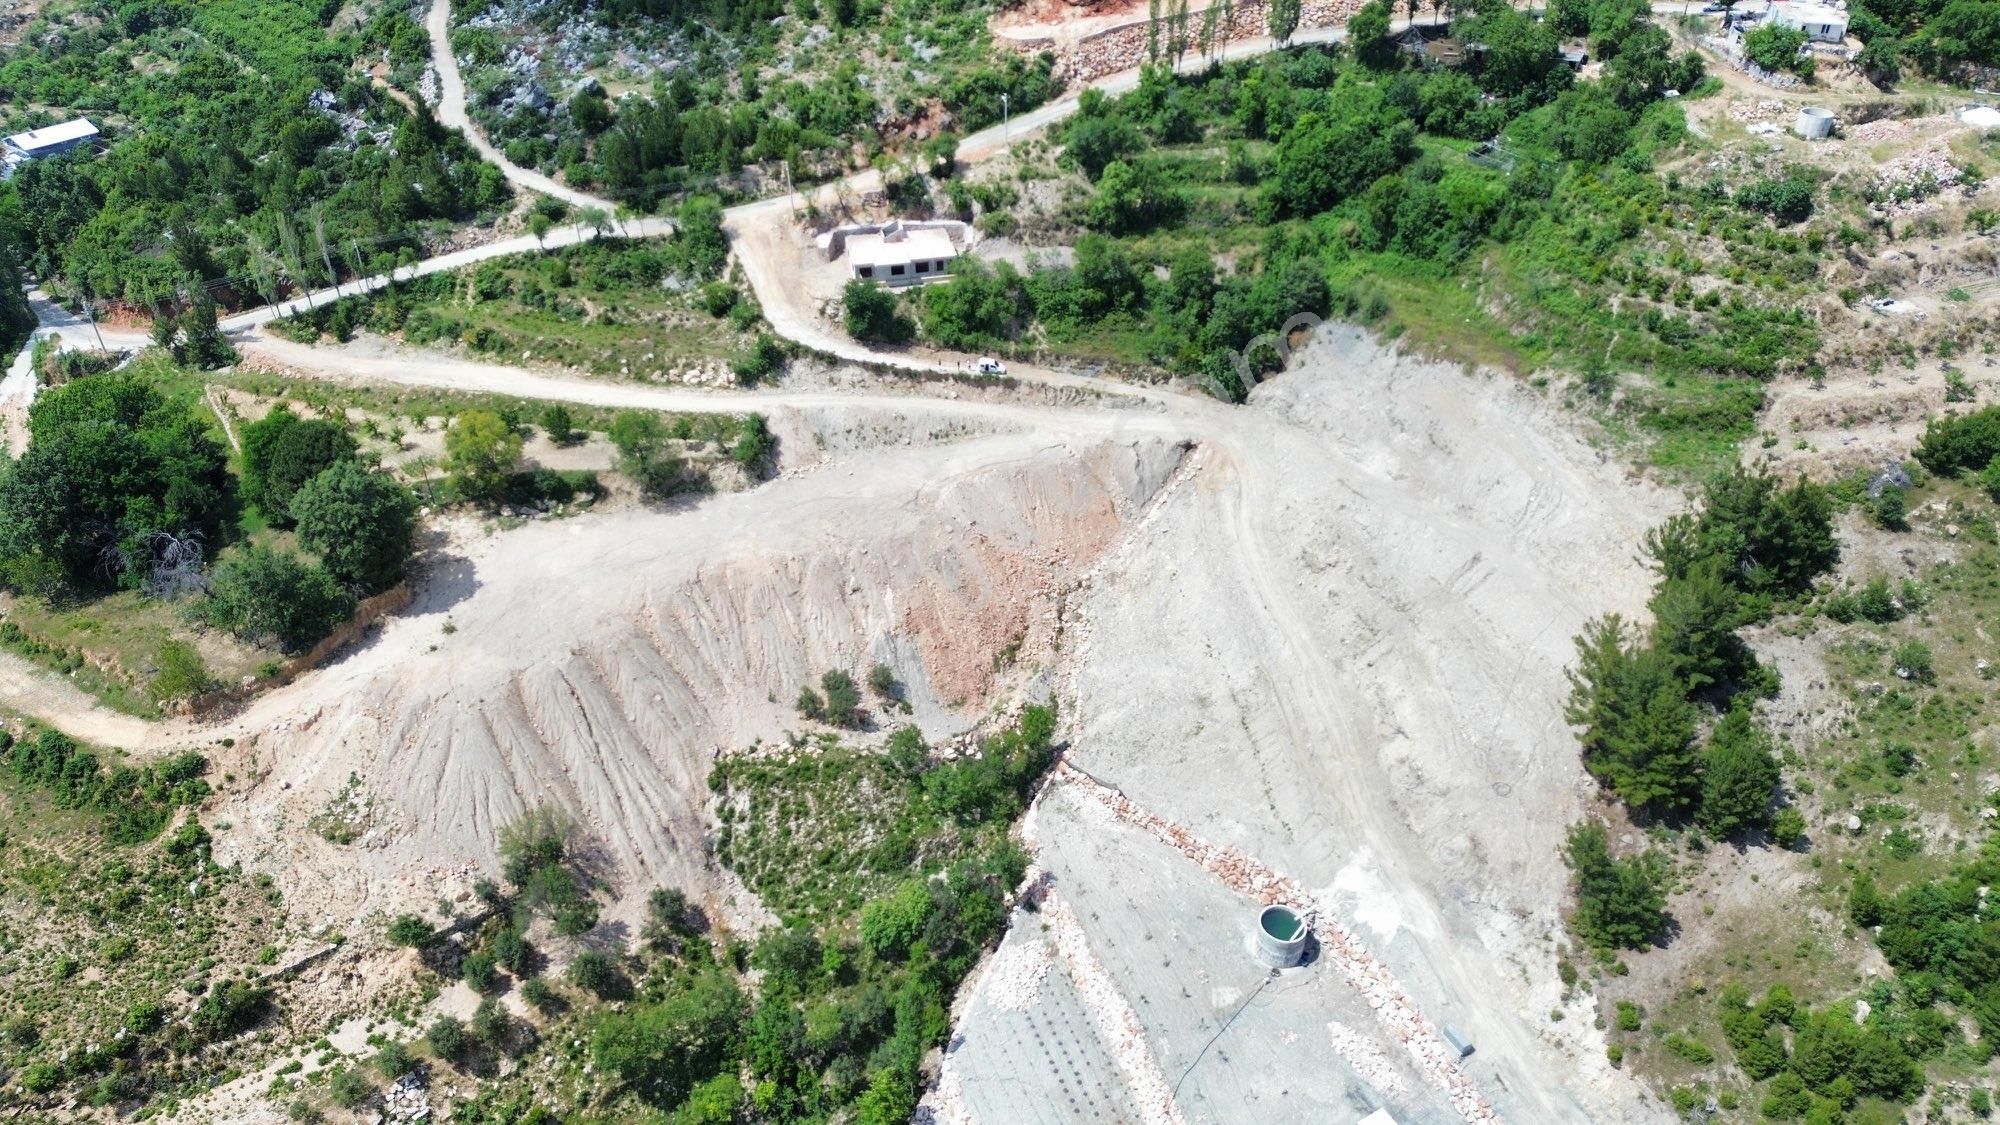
(990, 366)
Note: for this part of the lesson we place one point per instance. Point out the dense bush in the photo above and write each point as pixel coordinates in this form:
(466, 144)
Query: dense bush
(269, 596)
(359, 523)
(281, 453)
(135, 802)
(114, 472)
(870, 313)
(1621, 903)
(1959, 443)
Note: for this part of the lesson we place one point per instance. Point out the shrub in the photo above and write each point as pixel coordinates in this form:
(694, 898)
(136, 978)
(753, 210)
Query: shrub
(267, 596)
(349, 1087)
(1912, 659)
(394, 1060)
(1693, 1050)
(181, 673)
(1630, 1017)
(882, 680)
(843, 699)
(1788, 827)
(1788, 199)
(449, 1038)
(536, 991)
(1890, 510)
(595, 973)
(560, 425)
(871, 314)
(480, 971)
(410, 930)
(890, 925)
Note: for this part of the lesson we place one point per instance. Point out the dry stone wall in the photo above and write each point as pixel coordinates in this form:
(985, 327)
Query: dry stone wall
(1124, 47)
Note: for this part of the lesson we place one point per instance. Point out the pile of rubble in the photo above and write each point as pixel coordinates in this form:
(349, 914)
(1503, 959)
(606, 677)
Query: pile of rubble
(1013, 982)
(1361, 1054)
(1885, 129)
(1765, 109)
(1393, 1006)
(406, 1100)
(1909, 184)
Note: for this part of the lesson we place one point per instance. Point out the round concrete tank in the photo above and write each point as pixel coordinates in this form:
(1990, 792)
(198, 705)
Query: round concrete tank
(1281, 937)
(1814, 123)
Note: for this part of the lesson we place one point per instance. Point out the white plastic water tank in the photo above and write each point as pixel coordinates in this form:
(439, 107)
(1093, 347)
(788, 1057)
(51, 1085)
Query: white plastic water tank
(1814, 123)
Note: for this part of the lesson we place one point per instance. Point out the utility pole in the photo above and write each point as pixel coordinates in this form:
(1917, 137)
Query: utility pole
(92, 314)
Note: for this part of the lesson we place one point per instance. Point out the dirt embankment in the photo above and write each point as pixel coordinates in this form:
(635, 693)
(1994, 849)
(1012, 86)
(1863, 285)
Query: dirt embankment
(601, 662)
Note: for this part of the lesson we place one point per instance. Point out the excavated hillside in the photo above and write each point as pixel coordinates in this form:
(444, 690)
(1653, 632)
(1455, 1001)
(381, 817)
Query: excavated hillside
(600, 663)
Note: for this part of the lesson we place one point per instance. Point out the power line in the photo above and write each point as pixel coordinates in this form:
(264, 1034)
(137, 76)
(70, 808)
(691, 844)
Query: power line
(1268, 978)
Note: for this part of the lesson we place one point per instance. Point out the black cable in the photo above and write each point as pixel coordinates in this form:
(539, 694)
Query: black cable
(1268, 978)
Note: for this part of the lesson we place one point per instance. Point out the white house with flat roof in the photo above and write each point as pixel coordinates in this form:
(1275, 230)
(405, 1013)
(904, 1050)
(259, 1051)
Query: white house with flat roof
(49, 140)
(898, 256)
(1821, 23)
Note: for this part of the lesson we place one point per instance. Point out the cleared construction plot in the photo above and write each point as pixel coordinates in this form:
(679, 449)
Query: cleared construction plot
(1317, 642)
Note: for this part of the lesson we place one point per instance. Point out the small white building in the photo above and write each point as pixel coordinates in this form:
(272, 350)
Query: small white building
(897, 256)
(49, 140)
(1820, 22)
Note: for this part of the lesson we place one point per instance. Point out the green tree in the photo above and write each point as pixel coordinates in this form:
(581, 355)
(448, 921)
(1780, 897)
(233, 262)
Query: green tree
(111, 464)
(1739, 776)
(1769, 540)
(264, 595)
(480, 450)
(1368, 30)
(644, 452)
(1773, 46)
(1133, 197)
(871, 314)
(1621, 903)
(1094, 139)
(1958, 443)
(1282, 18)
(1638, 726)
(663, 1050)
(1329, 156)
(1695, 618)
(282, 452)
(359, 523)
(205, 345)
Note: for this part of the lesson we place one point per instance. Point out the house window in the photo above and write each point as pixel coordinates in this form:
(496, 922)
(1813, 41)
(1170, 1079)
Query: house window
(895, 271)
(866, 271)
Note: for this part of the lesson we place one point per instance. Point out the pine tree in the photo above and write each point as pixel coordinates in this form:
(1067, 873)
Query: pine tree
(1638, 726)
(1739, 775)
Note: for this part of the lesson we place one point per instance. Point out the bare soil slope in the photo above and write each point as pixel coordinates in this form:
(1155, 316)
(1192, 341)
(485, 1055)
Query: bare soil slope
(1339, 649)
(600, 663)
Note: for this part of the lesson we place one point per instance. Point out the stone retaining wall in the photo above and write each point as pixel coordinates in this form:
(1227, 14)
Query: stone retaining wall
(1122, 48)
